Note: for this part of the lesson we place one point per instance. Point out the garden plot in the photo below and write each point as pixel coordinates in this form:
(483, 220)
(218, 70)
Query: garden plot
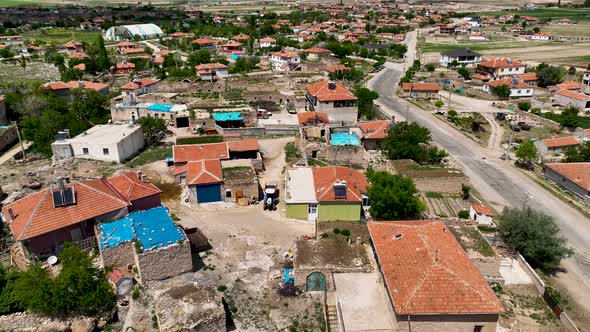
(443, 206)
(13, 71)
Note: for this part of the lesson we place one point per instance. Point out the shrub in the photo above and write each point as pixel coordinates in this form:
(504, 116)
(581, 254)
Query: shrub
(345, 232)
(439, 103)
(221, 288)
(174, 217)
(524, 106)
(336, 231)
(135, 293)
(463, 214)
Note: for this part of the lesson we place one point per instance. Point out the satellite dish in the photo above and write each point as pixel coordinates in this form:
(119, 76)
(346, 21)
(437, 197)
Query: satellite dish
(52, 260)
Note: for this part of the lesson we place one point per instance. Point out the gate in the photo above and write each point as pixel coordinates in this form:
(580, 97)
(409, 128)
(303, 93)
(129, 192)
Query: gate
(316, 281)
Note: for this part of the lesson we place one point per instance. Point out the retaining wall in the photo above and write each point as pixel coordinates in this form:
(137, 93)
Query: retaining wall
(164, 263)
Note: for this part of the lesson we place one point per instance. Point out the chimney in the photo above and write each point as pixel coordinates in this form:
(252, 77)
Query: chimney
(10, 214)
(331, 85)
(61, 184)
(139, 175)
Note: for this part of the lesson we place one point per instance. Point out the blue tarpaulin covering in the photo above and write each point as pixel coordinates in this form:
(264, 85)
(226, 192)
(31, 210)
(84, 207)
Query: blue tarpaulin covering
(228, 116)
(153, 229)
(288, 276)
(161, 107)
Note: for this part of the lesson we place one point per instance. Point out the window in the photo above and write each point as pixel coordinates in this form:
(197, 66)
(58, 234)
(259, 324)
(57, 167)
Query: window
(105, 151)
(85, 150)
(478, 328)
(510, 69)
(228, 193)
(528, 91)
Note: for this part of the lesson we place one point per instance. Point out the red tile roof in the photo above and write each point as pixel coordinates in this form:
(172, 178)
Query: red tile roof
(560, 141)
(323, 92)
(427, 272)
(569, 85)
(481, 209)
(579, 173)
(286, 54)
(209, 66)
(316, 50)
(573, 95)
(433, 87)
(501, 63)
(204, 41)
(203, 172)
(481, 77)
(232, 44)
(267, 40)
(130, 187)
(313, 117)
(324, 179)
(241, 37)
(72, 44)
(335, 68)
(528, 76)
(247, 144)
(183, 153)
(53, 86)
(87, 85)
(510, 82)
(375, 129)
(35, 214)
(125, 65)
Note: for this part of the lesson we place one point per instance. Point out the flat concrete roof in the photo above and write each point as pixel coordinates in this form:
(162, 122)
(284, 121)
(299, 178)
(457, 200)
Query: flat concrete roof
(300, 187)
(105, 134)
(364, 302)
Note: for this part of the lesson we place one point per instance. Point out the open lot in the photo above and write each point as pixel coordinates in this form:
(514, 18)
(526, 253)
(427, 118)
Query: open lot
(61, 36)
(575, 14)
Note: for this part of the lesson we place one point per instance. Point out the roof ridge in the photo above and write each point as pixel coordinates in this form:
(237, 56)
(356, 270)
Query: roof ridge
(140, 183)
(103, 193)
(33, 214)
(463, 281)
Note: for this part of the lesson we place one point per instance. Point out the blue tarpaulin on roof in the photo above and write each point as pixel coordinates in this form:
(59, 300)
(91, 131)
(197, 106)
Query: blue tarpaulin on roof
(160, 107)
(228, 116)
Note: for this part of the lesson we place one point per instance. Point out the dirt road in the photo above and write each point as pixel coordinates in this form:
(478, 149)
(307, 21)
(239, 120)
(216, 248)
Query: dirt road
(273, 150)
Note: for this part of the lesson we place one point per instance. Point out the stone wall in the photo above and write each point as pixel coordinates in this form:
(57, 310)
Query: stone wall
(249, 188)
(120, 256)
(8, 137)
(346, 155)
(164, 263)
(445, 185)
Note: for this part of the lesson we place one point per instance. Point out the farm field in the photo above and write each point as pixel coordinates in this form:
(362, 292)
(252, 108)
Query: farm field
(61, 36)
(575, 14)
(430, 47)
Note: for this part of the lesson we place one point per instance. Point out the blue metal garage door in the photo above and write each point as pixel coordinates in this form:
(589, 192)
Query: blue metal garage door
(209, 193)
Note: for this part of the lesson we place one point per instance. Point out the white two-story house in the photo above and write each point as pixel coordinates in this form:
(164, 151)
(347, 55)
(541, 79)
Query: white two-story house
(463, 57)
(333, 99)
(285, 61)
(497, 68)
(518, 89)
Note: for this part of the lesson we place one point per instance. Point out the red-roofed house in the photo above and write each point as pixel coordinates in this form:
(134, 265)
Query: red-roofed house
(211, 71)
(374, 133)
(203, 179)
(333, 99)
(432, 284)
(205, 43)
(139, 87)
(518, 88)
(481, 214)
(575, 99)
(284, 60)
(124, 68)
(420, 90)
(72, 47)
(501, 67)
(267, 42)
(555, 145)
(241, 149)
(331, 193)
(232, 47)
(574, 177)
(134, 188)
(316, 53)
(313, 124)
(44, 220)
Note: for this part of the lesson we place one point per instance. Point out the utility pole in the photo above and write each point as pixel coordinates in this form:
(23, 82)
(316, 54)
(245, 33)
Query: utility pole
(22, 148)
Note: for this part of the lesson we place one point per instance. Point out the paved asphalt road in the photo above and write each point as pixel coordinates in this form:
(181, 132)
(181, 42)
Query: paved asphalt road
(498, 182)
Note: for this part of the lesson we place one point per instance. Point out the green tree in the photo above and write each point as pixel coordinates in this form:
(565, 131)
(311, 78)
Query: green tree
(393, 197)
(411, 141)
(526, 154)
(535, 235)
(439, 104)
(524, 106)
(71, 74)
(550, 75)
(151, 128)
(464, 72)
(569, 117)
(571, 70)
(452, 115)
(502, 91)
(578, 153)
(365, 101)
(430, 67)
(199, 57)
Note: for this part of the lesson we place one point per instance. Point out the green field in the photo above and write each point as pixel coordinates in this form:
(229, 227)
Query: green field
(23, 3)
(577, 14)
(61, 36)
(428, 47)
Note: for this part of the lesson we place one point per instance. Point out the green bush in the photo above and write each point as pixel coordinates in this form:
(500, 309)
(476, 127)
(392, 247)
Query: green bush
(221, 288)
(345, 232)
(336, 231)
(136, 293)
(463, 214)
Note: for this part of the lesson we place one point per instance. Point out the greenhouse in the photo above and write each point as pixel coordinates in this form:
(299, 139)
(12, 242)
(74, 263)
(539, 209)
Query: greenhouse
(134, 32)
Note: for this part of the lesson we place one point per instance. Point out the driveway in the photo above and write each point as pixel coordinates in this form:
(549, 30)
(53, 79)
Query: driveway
(498, 182)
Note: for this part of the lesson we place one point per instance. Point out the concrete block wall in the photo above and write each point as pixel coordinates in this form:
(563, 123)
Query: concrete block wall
(164, 263)
(455, 323)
